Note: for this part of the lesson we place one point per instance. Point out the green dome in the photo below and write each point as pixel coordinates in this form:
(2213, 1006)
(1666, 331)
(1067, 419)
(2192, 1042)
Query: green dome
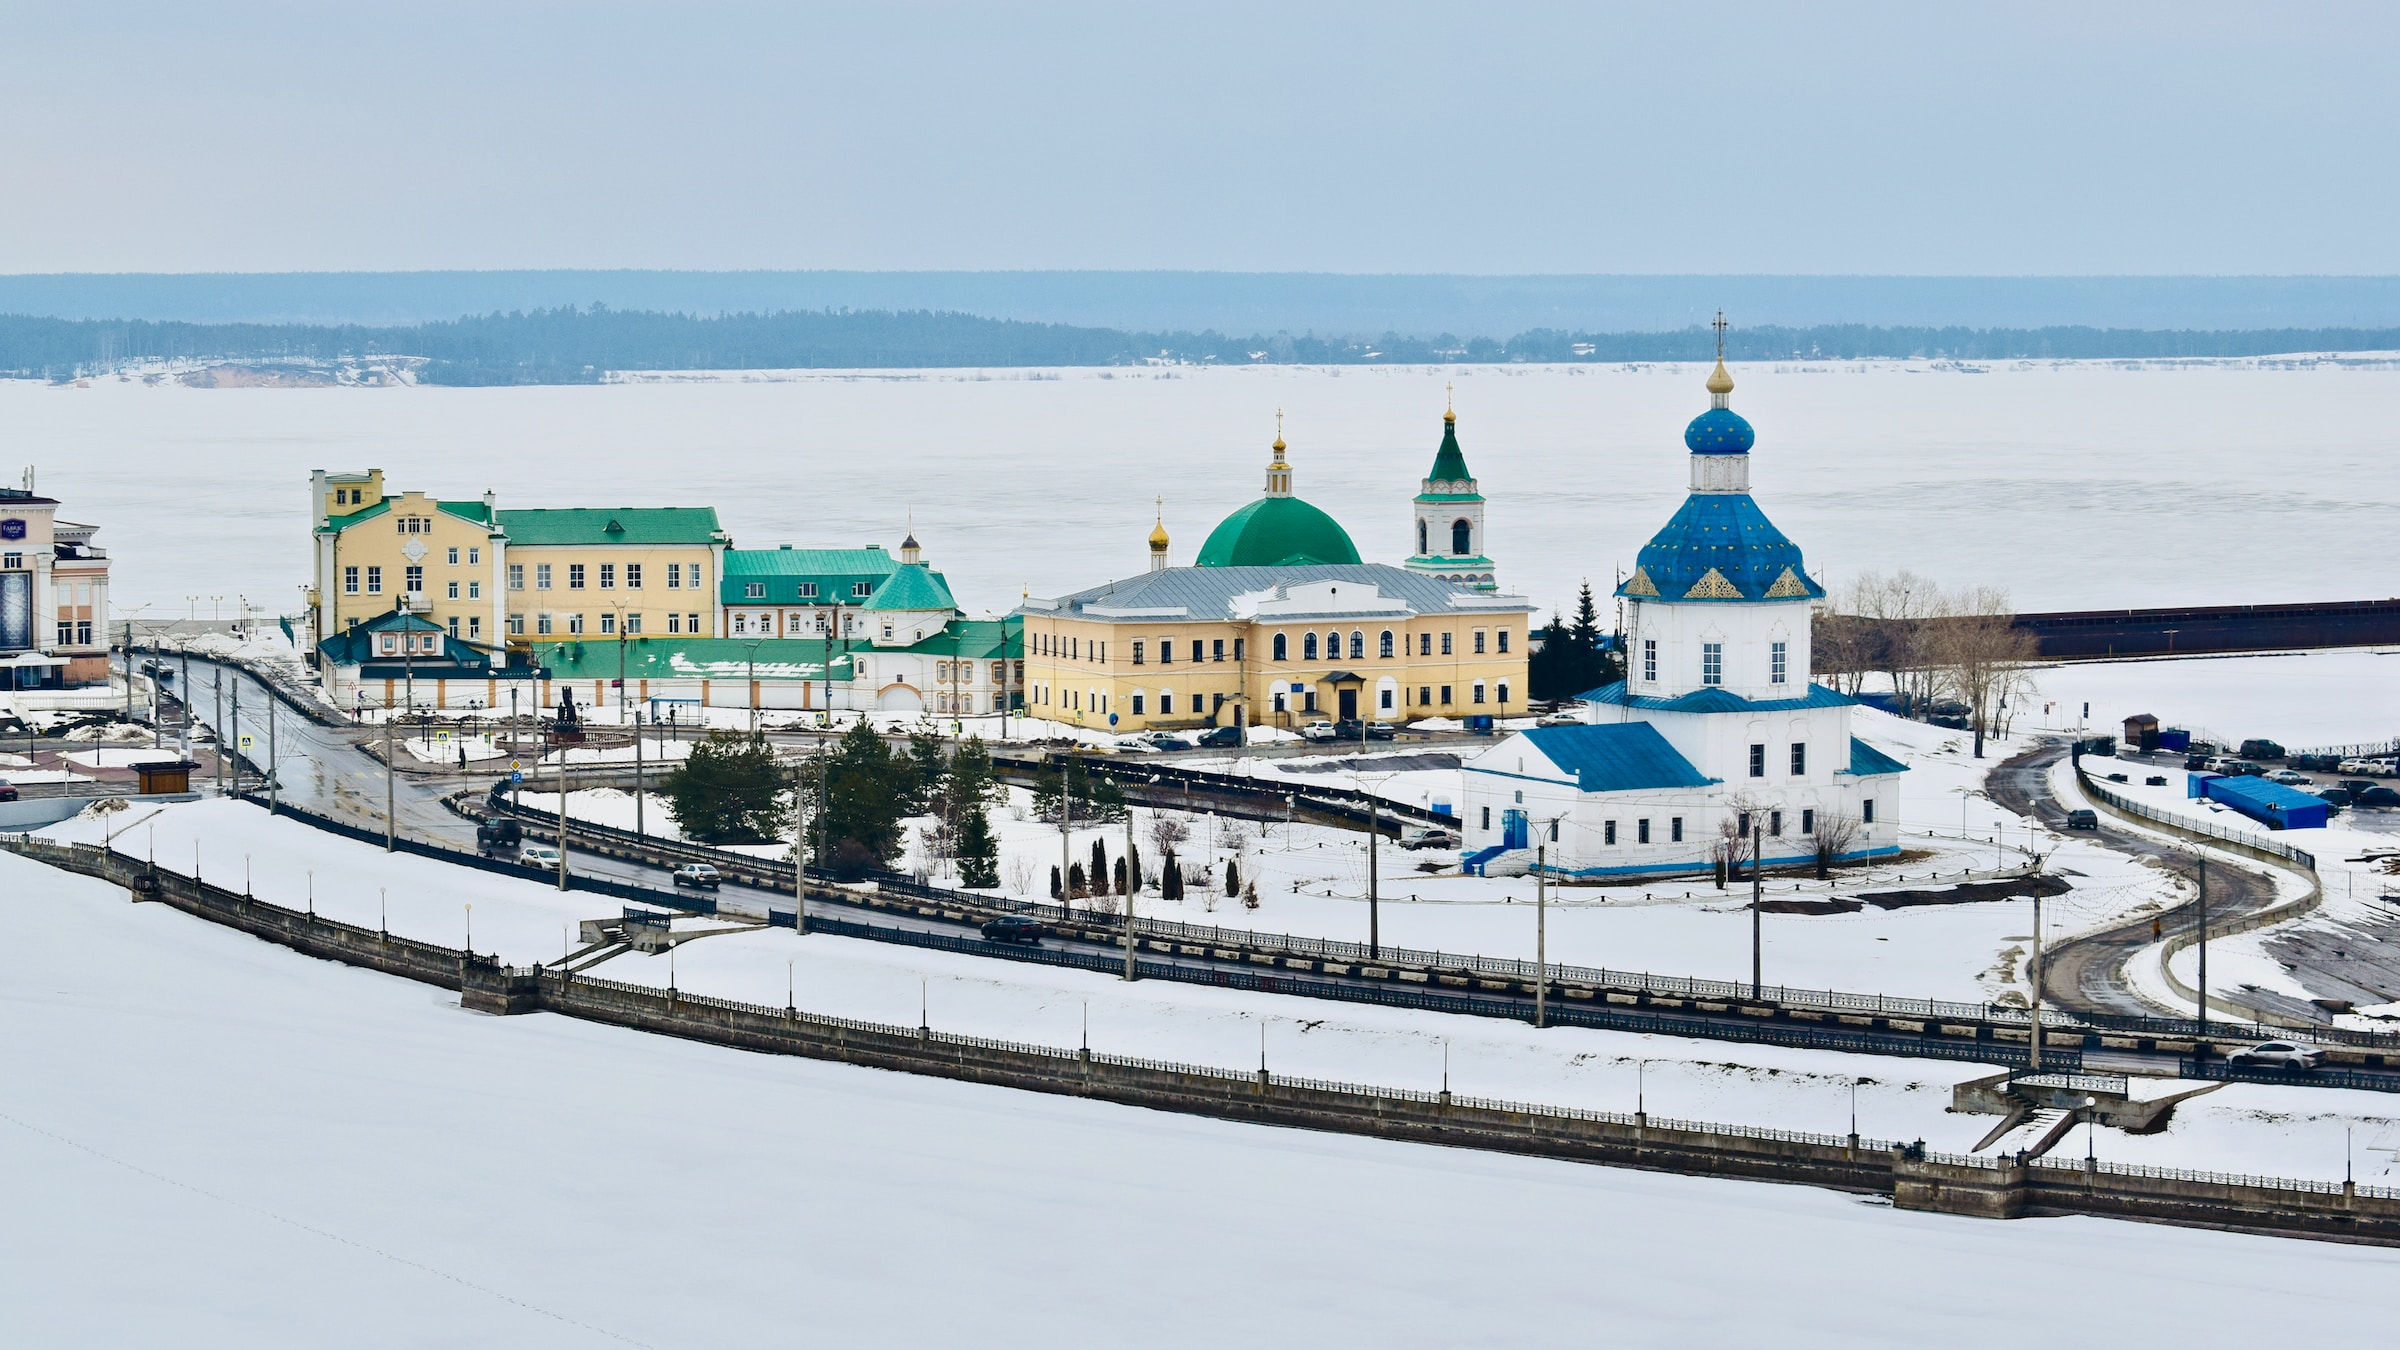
(1277, 532)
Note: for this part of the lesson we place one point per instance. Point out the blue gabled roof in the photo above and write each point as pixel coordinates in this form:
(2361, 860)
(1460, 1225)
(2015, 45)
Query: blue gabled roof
(1617, 757)
(1866, 761)
(2261, 792)
(1715, 700)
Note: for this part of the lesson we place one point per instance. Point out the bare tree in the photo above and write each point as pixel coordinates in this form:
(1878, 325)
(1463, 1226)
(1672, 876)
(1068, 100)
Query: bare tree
(1836, 832)
(1735, 839)
(1981, 654)
(1842, 647)
(1020, 874)
(1167, 831)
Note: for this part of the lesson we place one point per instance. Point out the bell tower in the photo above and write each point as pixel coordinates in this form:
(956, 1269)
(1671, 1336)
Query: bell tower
(1448, 531)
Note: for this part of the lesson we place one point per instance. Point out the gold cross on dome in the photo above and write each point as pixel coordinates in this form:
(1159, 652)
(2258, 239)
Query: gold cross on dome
(1719, 325)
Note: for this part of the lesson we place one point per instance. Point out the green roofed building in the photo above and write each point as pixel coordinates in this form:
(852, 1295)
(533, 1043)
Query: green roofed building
(1277, 530)
(792, 592)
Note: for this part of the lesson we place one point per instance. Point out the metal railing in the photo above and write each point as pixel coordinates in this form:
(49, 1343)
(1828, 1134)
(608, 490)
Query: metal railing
(2191, 825)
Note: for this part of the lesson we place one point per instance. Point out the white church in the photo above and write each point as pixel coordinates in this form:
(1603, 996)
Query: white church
(1716, 724)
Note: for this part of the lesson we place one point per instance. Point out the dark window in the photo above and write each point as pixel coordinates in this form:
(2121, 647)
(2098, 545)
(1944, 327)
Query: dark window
(1799, 758)
(1504, 640)
(1487, 817)
(1217, 650)
(1308, 647)
(1608, 832)
(1358, 646)
(1137, 705)
(1674, 829)
(1758, 761)
(1137, 657)
(1867, 817)
(1775, 823)
(1445, 695)
(1166, 703)
(1282, 648)
(1641, 831)
(1445, 651)
(1421, 539)
(1424, 644)
(1166, 651)
(1808, 820)
(1238, 644)
(1479, 642)
(1462, 538)
(1387, 643)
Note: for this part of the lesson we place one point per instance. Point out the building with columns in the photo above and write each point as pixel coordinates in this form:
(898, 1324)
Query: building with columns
(1717, 731)
(53, 595)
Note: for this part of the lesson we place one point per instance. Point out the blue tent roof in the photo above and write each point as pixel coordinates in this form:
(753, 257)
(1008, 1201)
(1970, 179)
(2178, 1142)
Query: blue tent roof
(1724, 533)
(1866, 761)
(1715, 700)
(1617, 757)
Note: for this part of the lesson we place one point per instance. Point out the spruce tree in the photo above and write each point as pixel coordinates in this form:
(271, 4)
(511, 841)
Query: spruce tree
(727, 790)
(1099, 872)
(1055, 892)
(978, 851)
(868, 792)
(1075, 885)
(1233, 878)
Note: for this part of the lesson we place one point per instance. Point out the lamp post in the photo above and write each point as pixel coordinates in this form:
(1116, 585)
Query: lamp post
(752, 647)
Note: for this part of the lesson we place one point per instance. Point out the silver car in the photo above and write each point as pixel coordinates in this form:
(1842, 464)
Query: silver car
(2278, 1054)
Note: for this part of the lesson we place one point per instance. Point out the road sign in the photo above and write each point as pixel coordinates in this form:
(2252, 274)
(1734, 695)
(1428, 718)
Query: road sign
(515, 777)
(441, 737)
(248, 740)
(513, 766)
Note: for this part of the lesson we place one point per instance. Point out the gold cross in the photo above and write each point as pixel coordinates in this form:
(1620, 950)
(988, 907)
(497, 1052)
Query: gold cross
(1719, 325)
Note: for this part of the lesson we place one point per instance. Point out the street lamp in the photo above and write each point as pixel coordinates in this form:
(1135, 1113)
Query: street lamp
(752, 646)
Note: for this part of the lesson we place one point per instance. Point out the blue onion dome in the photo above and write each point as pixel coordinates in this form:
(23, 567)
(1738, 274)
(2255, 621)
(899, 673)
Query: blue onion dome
(1719, 431)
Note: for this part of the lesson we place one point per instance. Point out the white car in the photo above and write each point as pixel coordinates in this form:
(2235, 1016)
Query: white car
(540, 855)
(2278, 1054)
(2364, 765)
(2289, 778)
(1318, 731)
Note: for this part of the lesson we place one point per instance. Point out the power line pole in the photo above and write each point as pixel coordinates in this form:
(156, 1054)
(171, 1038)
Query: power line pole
(1133, 886)
(1374, 842)
(562, 819)
(1541, 934)
(1758, 885)
(799, 850)
(388, 752)
(2198, 1042)
(2035, 972)
(237, 738)
(274, 795)
(216, 687)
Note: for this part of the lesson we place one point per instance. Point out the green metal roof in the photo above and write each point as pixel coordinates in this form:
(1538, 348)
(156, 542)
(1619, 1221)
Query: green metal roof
(471, 510)
(979, 639)
(1277, 532)
(674, 658)
(913, 586)
(620, 525)
(1449, 462)
(779, 574)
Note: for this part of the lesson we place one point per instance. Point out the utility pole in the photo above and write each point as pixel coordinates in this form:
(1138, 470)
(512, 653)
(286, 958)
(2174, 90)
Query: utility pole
(274, 795)
(1374, 839)
(799, 853)
(638, 827)
(1133, 887)
(1758, 885)
(237, 738)
(216, 687)
(1541, 935)
(128, 669)
(562, 820)
(1066, 848)
(387, 772)
(2034, 971)
(2199, 1043)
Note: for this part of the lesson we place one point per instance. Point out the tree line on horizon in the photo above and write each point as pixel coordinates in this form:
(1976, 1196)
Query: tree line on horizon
(582, 345)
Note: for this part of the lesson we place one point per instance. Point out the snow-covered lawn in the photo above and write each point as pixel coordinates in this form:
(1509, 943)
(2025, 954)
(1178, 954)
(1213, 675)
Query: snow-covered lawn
(527, 922)
(212, 1141)
(2300, 699)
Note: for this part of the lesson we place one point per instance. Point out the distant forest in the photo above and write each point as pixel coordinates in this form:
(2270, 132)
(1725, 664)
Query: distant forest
(580, 346)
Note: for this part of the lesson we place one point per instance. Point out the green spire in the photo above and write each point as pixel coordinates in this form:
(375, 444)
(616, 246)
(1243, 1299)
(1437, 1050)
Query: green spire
(1449, 462)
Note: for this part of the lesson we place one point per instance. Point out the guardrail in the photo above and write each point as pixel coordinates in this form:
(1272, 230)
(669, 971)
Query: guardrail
(1913, 1176)
(2186, 825)
(778, 876)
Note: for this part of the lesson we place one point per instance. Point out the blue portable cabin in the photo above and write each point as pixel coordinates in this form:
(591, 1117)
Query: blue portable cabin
(2271, 804)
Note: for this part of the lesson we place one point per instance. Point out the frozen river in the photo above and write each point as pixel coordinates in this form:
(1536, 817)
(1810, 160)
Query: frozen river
(2073, 484)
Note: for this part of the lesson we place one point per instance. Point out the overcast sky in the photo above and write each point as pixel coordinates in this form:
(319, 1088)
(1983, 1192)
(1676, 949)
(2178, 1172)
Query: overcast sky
(1906, 138)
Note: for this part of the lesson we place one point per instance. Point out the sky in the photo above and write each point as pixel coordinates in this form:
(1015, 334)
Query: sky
(2059, 139)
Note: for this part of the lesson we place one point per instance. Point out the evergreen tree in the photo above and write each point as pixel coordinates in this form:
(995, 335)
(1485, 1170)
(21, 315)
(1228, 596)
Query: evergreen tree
(1099, 872)
(1122, 878)
(928, 763)
(1075, 879)
(1106, 799)
(1170, 881)
(978, 850)
(1055, 892)
(869, 790)
(1546, 671)
(1233, 878)
(727, 790)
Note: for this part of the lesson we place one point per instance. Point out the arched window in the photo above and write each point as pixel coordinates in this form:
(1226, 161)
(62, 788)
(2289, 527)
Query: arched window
(1358, 645)
(1282, 648)
(1387, 643)
(1421, 539)
(1462, 539)
(1308, 647)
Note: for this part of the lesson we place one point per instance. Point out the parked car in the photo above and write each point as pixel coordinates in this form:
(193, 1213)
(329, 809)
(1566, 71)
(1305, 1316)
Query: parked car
(1133, 745)
(2288, 778)
(1564, 717)
(2196, 763)
(2315, 763)
(2334, 796)
(1015, 928)
(699, 876)
(1349, 729)
(1381, 731)
(1948, 707)
(2377, 796)
(2356, 787)
(1427, 836)
(2083, 820)
(1217, 737)
(2278, 1054)
(1319, 731)
(540, 855)
(2261, 749)
(8, 791)
(2243, 768)
(2362, 764)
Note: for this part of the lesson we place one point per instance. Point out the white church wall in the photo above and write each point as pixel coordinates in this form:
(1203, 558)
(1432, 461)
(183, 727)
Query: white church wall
(1745, 633)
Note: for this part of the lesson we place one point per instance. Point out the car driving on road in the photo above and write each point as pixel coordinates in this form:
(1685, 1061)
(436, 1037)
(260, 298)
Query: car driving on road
(1427, 836)
(1015, 928)
(540, 855)
(699, 876)
(8, 791)
(2278, 1055)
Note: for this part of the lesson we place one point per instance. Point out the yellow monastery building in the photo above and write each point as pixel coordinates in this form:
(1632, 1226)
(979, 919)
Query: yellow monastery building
(491, 577)
(1279, 622)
